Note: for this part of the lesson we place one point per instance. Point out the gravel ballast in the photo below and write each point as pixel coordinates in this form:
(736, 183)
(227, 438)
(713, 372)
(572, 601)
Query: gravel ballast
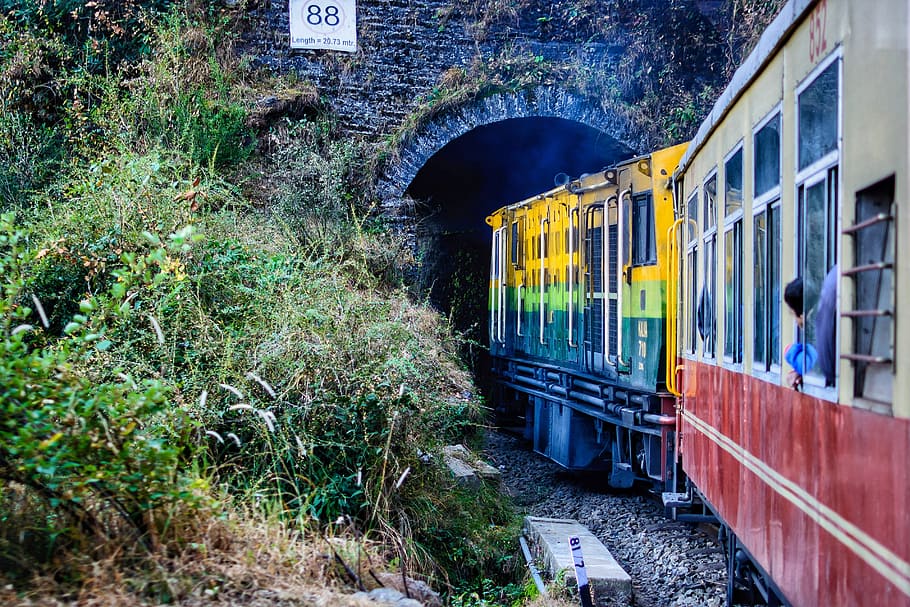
(672, 564)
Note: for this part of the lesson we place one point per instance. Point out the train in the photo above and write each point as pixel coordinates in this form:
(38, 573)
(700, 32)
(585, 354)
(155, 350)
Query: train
(719, 320)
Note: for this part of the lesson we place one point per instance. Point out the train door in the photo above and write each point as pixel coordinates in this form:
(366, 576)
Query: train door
(518, 261)
(594, 291)
(538, 273)
(641, 290)
(573, 284)
(497, 325)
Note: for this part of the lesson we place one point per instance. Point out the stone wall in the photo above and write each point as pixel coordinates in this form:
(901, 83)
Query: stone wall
(406, 48)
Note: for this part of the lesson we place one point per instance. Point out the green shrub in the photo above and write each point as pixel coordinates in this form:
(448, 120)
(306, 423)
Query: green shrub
(182, 99)
(96, 451)
(363, 378)
(30, 157)
(122, 25)
(318, 176)
(472, 531)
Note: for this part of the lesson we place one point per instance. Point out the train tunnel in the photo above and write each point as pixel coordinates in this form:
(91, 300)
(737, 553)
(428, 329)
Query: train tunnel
(471, 176)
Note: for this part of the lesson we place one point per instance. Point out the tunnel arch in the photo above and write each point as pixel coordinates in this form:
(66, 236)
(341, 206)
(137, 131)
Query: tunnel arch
(542, 102)
(465, 164)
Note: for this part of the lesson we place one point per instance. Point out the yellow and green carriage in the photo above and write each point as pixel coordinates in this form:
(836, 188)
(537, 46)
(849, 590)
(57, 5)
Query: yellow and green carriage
(579, 323)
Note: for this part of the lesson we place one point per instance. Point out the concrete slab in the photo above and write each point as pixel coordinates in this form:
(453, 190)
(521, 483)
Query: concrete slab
(466, 467)
(610, 584)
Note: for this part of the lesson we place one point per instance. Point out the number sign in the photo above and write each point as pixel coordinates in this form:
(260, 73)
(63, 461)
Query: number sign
(818, 35)
(324, 24)
(581, 574)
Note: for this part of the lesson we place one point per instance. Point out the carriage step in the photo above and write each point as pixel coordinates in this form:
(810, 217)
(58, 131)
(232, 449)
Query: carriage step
(676, 500)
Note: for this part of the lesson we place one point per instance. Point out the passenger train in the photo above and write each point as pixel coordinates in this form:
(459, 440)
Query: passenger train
(638, 322)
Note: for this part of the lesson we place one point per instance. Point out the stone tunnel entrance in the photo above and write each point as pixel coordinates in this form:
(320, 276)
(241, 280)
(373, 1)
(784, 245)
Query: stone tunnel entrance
(471, 176)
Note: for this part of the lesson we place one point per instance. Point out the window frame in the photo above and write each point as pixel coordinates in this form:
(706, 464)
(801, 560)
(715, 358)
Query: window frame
(764, 204)
(642, 208)
(813, 174)
(709, 234)
(732, 222)
(775, 192)
(517, 242)
(691, 274)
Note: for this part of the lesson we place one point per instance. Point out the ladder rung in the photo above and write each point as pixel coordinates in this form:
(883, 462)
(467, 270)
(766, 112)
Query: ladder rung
(881, 265)
(866, 313)
(865, 358)
(866, 223)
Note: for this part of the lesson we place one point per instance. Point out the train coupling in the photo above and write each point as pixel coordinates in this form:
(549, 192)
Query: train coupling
(687, 507)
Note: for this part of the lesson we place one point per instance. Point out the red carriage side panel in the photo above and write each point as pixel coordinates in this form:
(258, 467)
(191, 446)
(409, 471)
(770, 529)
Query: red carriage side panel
(818, 492)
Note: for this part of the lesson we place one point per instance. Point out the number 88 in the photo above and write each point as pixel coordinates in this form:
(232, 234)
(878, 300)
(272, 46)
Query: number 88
(314, 15)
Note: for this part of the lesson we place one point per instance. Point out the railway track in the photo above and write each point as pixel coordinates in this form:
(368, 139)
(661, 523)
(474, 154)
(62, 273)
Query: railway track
(672, 564)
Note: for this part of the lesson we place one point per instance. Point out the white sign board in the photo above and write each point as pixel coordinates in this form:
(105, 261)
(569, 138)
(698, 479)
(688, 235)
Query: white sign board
(324, 24)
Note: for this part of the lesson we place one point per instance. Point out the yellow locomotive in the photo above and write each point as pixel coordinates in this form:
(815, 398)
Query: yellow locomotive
(578, 318)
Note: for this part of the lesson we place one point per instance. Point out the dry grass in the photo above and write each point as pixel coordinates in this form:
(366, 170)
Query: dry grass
(241, 559)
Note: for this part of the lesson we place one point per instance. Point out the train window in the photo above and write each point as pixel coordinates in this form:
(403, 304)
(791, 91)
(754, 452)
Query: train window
(517, 241)
(817, 223)
(766, 287)
(733, 257)
(733, 183)
(644, 246)
(692, 216)
(766, 245)
(817, 107)
(710, 203)
(733, 293)
(818, 137)
(691, 274)
(706, 314)
(767, 157)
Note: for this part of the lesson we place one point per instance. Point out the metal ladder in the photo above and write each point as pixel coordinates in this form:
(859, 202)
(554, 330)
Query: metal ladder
(869, 259)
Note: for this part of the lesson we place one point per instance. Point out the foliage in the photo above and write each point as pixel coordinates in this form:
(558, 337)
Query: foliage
(100, 98)
(179, 99)
(30, 155)
(343, 383)
(120, 26)
(473, 531)
(317, 175)
(94, 452)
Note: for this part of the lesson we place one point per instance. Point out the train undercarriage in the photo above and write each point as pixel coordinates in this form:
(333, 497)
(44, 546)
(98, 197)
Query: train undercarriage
(583, 422)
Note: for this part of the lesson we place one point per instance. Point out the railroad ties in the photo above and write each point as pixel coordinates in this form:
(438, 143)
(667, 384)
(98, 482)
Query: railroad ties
(610, 584)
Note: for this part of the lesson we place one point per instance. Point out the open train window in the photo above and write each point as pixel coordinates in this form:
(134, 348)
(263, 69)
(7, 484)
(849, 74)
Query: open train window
(766, 242)
(691, 274)
(766, 287)
(817, 186)
(706, 312)
(733, 257)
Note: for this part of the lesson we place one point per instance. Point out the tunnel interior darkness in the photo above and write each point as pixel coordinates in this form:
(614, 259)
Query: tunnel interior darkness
(473, 175)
